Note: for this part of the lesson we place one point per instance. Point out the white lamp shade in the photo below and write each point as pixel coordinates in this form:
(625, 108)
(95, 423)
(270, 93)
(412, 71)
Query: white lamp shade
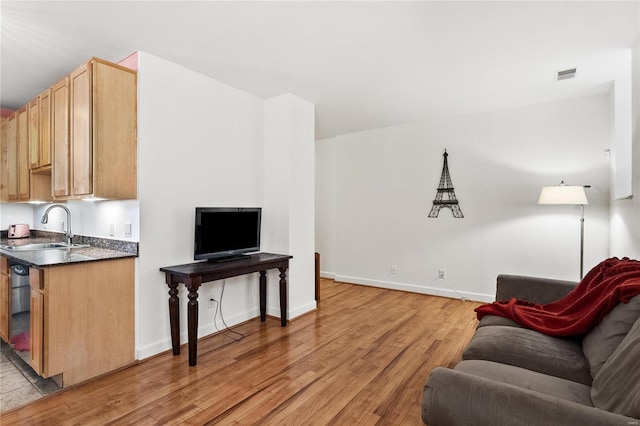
(563, 194)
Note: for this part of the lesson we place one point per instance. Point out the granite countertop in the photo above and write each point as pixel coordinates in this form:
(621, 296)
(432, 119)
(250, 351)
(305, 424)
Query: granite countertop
(100, 250)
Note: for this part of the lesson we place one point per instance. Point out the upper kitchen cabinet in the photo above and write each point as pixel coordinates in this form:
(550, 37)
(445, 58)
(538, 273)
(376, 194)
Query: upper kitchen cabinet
(12, 158)
(21, 140)
(60, 138)
(40, 132)
(45, 128)
(23, 153)
(40, 147)
(37, 170)
(17, 149)
(99, 157)
(4, 172)
(25, 166)
(33, 110)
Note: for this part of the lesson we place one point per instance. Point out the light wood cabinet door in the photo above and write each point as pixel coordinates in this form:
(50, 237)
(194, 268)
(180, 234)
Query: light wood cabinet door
(5, 300)
(103, 140)
(36, 333)
(12, 157)
(4, 173)
(40, 147)
(34, 133)
(45, 128)
(23, 153)
(5, 308)
(83, 322)
(40, 131)
(114, 123)
(81, 131)
(60, 139)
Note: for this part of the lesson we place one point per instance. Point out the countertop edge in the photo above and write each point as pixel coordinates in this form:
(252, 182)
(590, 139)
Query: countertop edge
(25, 260)
(58, 257)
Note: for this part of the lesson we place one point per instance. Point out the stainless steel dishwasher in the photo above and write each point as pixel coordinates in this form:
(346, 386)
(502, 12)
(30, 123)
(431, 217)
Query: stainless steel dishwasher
(20, 290)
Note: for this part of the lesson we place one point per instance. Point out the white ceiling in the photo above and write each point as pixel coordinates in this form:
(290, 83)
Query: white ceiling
(363, 64)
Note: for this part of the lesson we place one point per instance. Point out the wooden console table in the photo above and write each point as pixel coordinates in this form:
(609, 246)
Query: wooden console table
(194, 274)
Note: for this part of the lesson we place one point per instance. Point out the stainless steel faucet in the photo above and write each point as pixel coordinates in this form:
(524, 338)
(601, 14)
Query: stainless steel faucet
(45, 219)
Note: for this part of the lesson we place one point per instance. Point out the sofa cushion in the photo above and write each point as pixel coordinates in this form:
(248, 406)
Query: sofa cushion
(521, 347)
(456, 398)
(532, 289)
(599, 343)
(543, 383)
(616, 387)
(489, 320)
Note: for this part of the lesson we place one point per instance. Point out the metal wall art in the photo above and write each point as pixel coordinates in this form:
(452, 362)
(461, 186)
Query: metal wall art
(445, 188)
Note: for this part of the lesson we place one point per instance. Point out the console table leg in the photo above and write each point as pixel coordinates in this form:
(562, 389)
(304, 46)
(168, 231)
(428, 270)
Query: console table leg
(174, 316)
(192, 322)
(283, 296)
(263, 296)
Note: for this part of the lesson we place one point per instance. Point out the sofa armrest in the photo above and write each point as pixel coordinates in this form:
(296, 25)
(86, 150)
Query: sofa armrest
(453, 398)
(532, 289)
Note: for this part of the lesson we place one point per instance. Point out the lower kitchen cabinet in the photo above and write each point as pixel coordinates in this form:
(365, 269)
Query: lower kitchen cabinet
(5, 299)
(36, 325)
(82, 319)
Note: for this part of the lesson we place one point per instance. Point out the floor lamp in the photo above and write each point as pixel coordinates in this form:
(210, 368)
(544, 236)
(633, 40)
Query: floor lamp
(567, 194)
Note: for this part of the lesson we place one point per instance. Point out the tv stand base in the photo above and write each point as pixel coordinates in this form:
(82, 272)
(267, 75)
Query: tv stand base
(194, 274)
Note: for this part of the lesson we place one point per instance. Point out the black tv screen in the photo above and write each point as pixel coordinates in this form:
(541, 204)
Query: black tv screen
(223, 232)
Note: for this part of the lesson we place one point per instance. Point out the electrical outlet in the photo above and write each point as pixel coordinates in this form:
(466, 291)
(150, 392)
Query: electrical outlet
(394, 269)
(127, 230)
(212, 303)
(112, 229)
(442, 274)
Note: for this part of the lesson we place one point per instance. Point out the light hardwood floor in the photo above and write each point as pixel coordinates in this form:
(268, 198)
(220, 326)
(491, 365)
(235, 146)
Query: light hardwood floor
(362, 357)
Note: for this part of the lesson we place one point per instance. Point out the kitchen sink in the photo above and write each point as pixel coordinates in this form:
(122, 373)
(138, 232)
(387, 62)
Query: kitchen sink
(41, 246)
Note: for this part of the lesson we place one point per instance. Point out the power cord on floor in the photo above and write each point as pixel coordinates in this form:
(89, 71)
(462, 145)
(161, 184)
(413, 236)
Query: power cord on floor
(462, 297)
(227, 329)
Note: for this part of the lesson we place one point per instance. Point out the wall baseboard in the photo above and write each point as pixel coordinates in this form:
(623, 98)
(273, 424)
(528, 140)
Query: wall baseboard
(329, 275)
(203, 331)
(433, 291)
(210, 328)
(301, 310)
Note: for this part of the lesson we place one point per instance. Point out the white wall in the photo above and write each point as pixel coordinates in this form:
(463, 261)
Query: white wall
(386, 180)
(203, 143)
(289, 198)
(625, 214)
(11, 213)
(621, 125)
(91, 218)
(326, 206)
(198, 145)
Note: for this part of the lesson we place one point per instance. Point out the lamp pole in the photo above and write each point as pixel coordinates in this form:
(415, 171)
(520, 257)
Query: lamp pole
(568, 194)
(581, 239)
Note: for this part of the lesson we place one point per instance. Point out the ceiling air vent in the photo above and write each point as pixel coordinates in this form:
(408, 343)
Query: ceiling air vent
(566, 74)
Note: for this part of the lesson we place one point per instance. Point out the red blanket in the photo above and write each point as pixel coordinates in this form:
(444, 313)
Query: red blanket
(610, 282)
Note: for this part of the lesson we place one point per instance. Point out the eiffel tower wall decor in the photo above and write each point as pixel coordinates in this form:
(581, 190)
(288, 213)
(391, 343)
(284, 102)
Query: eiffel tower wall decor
(445, 188)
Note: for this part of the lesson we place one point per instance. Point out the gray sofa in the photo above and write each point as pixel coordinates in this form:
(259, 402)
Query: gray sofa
(510, 375)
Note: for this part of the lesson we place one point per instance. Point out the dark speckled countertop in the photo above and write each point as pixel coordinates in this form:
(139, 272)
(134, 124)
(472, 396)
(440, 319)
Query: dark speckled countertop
(98, 249)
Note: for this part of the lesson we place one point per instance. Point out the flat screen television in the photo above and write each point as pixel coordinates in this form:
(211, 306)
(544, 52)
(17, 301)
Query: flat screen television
(226, 232)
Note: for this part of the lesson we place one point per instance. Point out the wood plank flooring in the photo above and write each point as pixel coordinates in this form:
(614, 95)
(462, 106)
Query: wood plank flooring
(362, 357)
